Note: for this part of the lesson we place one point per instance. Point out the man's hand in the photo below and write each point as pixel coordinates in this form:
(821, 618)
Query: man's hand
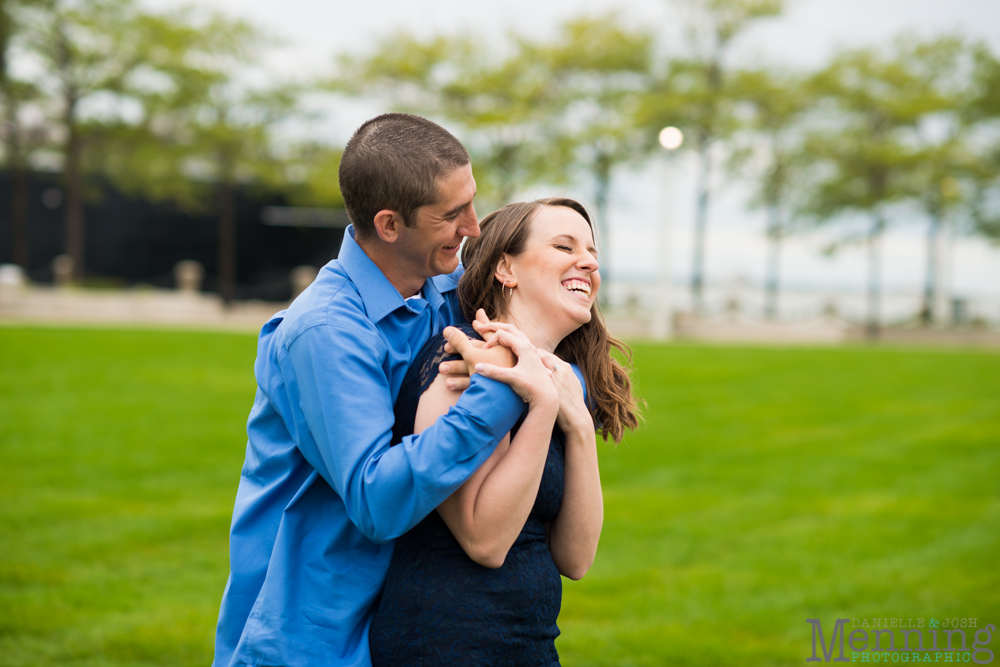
(475, 351)
(457, 373)
(489, 330)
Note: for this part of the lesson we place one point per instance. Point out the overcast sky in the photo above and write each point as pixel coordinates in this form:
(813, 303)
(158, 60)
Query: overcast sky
(805, 36)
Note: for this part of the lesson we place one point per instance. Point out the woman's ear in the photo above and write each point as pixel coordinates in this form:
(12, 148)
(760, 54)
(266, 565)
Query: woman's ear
(387, 224)
(504, 273)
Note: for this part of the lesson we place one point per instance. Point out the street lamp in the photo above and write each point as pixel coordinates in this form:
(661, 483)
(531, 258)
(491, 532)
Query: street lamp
(671, 139)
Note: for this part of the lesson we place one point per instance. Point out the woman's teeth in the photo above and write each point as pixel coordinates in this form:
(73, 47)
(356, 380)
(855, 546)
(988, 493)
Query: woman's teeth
(578, 286)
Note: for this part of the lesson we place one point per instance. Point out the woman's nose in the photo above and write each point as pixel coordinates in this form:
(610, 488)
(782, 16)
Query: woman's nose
(588, 262)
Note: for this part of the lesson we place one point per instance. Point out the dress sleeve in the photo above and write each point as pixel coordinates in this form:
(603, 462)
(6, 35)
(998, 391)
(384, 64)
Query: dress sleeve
(337, 379)
(421, 374)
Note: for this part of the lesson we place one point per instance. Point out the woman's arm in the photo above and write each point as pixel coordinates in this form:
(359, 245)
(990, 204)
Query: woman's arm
(576, 530)
(487, 513)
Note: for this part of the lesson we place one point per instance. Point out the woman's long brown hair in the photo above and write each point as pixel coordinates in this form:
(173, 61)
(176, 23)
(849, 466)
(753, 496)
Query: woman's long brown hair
(609, 386)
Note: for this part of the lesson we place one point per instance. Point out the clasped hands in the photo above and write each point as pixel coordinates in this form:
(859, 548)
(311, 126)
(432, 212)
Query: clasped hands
(539, 377)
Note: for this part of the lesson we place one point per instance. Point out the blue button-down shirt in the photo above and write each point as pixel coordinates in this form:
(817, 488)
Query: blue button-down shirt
(322, 496)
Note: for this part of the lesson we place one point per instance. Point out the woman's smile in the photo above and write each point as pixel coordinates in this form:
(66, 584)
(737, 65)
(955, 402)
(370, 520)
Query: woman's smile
(556, 277)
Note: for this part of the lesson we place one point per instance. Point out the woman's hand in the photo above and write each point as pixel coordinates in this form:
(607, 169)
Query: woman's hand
(573, 413)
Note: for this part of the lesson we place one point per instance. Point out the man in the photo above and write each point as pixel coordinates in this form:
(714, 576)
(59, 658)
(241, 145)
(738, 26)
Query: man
(322, 496)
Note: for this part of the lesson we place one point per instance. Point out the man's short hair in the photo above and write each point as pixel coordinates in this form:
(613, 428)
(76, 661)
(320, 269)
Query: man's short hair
(393, 162)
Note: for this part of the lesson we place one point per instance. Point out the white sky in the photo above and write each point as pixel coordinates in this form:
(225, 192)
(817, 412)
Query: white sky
(805, 36)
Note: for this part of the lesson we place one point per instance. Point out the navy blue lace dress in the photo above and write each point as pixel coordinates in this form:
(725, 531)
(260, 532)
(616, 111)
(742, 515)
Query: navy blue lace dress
(439, 607)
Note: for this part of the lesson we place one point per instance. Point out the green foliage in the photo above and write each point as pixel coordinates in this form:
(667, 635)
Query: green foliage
(983, 109)
(312, 175)
(527, 117)
(769, 147)
(203, 125)
(768, 486)
(713, 24)
(20, 139)
(159, 104)
(694, 89)
(877, 104)
(176, 106)
(501, 104)
(600, 69)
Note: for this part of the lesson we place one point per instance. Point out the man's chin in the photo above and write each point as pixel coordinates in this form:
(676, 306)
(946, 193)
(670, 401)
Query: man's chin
(448, 266)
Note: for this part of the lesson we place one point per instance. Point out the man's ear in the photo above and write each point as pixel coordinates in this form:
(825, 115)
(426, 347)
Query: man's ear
(504, 272)
(387, 224)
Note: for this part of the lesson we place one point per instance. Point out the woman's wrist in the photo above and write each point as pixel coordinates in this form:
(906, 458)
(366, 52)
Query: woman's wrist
(544, 403)
(580, 431)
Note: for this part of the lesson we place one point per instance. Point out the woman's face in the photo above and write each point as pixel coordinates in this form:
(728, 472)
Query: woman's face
(556, 278)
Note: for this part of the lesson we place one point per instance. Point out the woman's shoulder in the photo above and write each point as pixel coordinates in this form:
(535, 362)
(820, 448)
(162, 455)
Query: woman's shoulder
(433, 352)
(425, 365)
(465, 328)
(579, 376)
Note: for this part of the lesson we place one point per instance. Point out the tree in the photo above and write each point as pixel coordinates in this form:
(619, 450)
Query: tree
(536, 115)
(694, 92)
(982, 115)
(20, 137)
(599, 69)
(97, 56)
(208, 132)
(505, 109)
(772, 154)
(313, 174)
(944, 161)
(866, 151)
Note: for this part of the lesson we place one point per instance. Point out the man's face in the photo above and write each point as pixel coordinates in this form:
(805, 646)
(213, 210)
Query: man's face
(429, 247)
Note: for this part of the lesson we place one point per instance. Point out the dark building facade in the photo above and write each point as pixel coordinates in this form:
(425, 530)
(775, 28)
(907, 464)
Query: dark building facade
(130, 241)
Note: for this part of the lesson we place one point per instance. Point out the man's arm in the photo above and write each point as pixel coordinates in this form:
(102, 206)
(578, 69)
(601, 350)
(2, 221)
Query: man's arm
(337, 379)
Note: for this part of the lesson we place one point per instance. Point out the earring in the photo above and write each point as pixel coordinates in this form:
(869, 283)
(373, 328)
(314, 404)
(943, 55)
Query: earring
(504, 288)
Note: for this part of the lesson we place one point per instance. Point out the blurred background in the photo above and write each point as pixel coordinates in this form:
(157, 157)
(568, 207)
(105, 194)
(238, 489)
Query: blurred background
(834, 168)
(777, 185)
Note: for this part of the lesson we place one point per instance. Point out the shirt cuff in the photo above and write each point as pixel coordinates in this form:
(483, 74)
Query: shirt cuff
(494, 402)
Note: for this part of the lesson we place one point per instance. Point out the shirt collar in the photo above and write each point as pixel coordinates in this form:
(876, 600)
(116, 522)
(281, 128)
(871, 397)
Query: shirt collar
(377, 293)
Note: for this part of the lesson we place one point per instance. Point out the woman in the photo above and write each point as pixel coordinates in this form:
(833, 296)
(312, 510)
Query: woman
(477, 582)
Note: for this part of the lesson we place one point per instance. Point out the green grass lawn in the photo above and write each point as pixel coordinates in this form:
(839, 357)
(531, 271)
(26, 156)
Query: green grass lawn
(768, 486)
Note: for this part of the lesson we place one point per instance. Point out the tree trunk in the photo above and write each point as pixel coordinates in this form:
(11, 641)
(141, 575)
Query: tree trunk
(873, 326)
(74, 214)
(12, 141)
(227, 242)
(773, 261)
(18, 173)
(20, 248)
(506, 167)
(930, 280)
(602, 174)
(700, 222)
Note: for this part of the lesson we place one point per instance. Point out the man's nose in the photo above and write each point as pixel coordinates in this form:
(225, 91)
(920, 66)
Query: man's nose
(470, 224)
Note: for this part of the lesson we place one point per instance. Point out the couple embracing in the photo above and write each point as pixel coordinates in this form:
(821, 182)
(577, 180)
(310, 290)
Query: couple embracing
(392, 508)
